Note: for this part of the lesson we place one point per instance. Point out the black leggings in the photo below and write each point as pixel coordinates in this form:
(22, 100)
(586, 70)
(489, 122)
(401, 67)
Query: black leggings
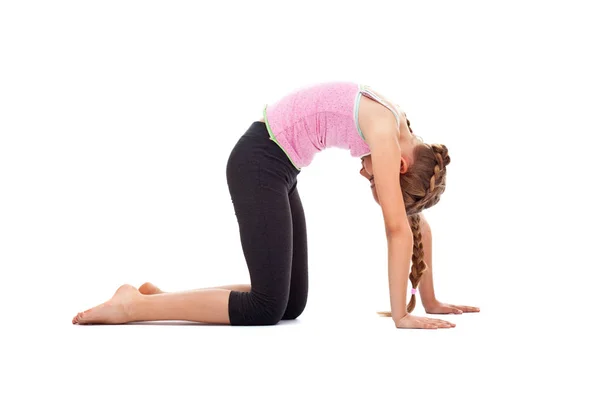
(262, 183)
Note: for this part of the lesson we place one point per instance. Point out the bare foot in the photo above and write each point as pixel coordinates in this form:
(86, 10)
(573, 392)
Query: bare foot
(114, 311)
(149, 288)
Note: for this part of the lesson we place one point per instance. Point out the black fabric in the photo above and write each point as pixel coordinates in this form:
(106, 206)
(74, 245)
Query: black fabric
(263, 186)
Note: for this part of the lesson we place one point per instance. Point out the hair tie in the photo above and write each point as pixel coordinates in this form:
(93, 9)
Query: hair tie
(413, 291)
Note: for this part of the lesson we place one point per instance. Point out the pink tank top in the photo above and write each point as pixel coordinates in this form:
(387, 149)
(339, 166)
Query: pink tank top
(316, 117)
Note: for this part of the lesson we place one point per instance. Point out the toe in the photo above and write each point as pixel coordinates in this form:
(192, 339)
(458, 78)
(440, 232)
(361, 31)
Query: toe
(81, 317)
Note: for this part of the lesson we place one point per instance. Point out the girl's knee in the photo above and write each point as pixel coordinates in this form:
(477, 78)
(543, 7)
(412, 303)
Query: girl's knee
(246, 308)
(293, 311)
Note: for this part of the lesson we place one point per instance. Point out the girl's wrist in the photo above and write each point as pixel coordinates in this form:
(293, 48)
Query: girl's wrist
(397, 318)
(429, 302)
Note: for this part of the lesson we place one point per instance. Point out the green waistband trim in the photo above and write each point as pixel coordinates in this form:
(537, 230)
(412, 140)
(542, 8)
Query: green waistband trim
(273, 138)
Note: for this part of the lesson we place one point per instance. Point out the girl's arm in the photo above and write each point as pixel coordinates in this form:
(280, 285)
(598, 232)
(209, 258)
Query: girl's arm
(380, 132)
(428, 299)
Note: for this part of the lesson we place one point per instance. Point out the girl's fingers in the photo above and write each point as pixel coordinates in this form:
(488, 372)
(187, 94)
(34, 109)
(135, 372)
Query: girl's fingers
(435, 320)
(448, 310)
(467, 308)
(451, 310)
(441, 323)
(425, 324)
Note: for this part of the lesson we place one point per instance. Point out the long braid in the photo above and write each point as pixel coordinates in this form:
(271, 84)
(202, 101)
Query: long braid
(418, 263)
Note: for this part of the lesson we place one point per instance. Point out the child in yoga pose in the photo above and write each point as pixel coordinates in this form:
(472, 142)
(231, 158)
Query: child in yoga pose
(262, 172)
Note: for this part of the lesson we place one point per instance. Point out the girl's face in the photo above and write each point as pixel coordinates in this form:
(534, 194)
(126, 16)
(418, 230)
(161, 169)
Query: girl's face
(367, 172)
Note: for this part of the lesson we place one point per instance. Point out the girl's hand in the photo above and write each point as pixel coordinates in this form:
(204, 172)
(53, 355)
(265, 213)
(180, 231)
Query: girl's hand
(411, 321)
(444, 308)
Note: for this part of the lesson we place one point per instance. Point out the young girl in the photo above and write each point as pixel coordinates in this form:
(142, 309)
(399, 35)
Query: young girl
(262, 172)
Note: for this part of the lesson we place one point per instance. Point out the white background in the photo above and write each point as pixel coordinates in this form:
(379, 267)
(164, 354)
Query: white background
(116, 121)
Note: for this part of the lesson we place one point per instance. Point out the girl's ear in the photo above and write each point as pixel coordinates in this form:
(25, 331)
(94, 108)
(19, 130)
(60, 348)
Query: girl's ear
(403, 165)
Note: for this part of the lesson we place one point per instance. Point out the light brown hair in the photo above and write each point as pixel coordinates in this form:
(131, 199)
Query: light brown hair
(422, 185)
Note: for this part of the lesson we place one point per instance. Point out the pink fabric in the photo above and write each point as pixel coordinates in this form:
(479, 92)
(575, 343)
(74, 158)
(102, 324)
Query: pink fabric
(314, 118)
